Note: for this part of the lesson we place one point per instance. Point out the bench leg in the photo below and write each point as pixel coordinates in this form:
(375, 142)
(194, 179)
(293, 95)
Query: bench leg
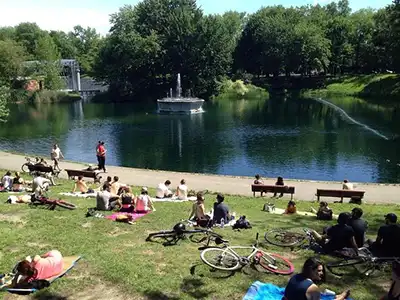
(317, 198)
(291, 196)
(254, 194)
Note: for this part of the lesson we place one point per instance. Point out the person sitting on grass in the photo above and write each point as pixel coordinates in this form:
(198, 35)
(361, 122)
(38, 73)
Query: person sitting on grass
(40, 185)
(279, 181)
(387, 240)
(127, 200)
(198, 212)
(304, 286)
(291, 208)
(39, 268)
(115, 185)
(324, 212)
(221, 211)
(18, 183)
(7, 182)
(143, 202)
(182, 190)
(337, 237)
(163, 190)
(359, 226)
(80, 184)
(103, 197)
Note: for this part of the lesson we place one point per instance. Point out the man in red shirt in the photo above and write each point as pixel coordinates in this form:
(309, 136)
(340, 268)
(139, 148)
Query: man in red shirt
(97, 154)
(101, 152)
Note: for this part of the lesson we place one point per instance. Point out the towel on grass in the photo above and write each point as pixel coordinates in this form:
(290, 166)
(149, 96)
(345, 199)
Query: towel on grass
(173, 199)
(69, 263)
(280, 211)
(268, 291)
(80, 195)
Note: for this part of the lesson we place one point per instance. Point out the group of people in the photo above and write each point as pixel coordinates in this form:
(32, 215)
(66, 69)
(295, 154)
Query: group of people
(12, 184)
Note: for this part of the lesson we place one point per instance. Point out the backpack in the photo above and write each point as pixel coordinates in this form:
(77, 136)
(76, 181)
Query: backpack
(325, 214)
(269, 207)
(242, 223)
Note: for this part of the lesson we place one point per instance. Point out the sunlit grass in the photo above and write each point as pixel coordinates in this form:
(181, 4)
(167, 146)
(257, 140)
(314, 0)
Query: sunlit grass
(117, 255)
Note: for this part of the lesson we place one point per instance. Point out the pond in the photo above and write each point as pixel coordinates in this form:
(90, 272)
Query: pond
(290, 137)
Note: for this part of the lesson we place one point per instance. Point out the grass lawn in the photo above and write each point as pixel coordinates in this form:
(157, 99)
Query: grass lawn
(374, 86)
(119, 264)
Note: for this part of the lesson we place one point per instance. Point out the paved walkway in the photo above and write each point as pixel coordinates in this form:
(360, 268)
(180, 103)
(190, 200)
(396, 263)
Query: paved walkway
(305, 190)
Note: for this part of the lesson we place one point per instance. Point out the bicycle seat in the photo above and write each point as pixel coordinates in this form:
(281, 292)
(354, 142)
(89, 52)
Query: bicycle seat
(220, 241)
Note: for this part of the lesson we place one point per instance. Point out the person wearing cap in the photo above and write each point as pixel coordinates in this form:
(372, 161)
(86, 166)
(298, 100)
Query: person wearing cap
(387, 240)
(143, 202)
(359, 226)
(221, 211)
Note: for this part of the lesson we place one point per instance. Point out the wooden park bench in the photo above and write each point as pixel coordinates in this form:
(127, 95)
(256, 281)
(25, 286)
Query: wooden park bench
(272, 189)
(340, 194)
(42, 169)
(88, 174)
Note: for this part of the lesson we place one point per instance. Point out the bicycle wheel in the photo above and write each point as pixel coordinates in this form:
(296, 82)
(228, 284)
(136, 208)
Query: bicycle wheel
(25, 168)
(220, 259)
(284, 238)
(347, 266)
(167, 236)
(276, 263)
(66, 205)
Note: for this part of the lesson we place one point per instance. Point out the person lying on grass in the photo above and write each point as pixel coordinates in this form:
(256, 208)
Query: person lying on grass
(303, 286)
(337, 237)
(39, 268)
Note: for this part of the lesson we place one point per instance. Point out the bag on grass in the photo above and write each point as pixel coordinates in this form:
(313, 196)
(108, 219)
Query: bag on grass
(242, 223)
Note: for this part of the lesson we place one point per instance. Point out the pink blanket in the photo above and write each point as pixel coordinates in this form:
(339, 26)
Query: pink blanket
(135, 216)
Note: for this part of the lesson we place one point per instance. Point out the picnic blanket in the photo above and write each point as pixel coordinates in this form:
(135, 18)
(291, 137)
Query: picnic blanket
(173, 199)
(135, 216)
(280, 211)
(80, 195)
(268, 291)
(69, 263)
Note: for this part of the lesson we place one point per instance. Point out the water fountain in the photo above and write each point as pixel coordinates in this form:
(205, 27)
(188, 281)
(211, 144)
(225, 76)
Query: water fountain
(179, 104)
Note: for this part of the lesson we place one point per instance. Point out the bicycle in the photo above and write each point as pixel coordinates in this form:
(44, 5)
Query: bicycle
(25, 166)
(365, 264)
(171, 237)
(52, 204)
(288, 238)
(227, 259)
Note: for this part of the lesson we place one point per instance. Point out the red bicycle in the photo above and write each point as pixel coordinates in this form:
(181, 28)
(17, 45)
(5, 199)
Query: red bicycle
(52, 204)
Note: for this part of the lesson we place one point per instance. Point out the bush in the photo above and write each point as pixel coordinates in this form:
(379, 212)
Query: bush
(228, 89)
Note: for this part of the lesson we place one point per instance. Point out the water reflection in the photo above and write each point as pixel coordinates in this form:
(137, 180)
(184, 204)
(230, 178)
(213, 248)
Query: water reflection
(291, 137)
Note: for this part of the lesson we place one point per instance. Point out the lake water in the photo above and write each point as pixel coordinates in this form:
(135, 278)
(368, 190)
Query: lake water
(292, 137)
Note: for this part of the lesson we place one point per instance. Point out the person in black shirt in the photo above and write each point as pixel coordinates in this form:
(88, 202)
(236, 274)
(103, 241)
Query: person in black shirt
(221, 211)
(338, 236)
(359, 226)
(387, 241)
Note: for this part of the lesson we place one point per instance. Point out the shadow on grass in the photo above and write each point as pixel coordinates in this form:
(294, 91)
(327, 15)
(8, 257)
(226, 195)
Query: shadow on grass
(389, 86)
(195, 288)
(157, 295)
(202, 270)
(46, 295)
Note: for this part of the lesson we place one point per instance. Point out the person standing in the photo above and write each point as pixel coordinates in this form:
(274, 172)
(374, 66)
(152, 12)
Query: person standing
(101, 150)
(56, 154)
(98, 155)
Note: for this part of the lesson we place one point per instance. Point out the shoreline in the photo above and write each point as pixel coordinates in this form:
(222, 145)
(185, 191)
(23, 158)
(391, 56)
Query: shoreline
(227, 184)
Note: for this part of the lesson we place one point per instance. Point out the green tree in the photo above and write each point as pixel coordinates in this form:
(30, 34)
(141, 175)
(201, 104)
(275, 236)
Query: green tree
(27, 34)
(7, 33)
(12, 55)
(4, 98)
(65, 44)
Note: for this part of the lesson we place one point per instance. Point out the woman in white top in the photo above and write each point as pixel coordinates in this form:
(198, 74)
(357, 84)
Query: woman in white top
(143, 202)
(182, 190)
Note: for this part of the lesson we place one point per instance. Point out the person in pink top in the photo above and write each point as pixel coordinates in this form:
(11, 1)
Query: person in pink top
(41, 267)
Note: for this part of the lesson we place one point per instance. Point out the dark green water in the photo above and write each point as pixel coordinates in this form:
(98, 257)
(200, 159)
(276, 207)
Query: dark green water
(293, 138)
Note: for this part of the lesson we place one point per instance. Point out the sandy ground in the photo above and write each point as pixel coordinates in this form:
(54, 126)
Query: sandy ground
(305, 190)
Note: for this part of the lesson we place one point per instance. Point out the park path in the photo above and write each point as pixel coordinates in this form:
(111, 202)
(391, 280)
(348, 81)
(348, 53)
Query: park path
(305, 190)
